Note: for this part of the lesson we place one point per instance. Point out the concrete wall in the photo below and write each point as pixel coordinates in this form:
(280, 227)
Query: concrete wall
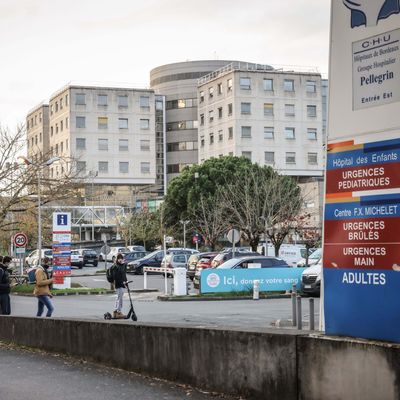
(257, 365)
(253, 364)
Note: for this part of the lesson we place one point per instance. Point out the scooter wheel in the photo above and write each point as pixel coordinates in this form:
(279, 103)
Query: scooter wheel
(107, 315)
(134, 317)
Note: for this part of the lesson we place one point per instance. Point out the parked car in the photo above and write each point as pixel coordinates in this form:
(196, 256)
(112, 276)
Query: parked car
(112, 255)
(150, 260)
(173, 260)
(32, 260)
(181, 250)
(311, 279)
(136, 248)
(228, 254)
(76, 259)
(246, 262)
(194, 260)
(133, 256)
(89, 256)
(313, 258)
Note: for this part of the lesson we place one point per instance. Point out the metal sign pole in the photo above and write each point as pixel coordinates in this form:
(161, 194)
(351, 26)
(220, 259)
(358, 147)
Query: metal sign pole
(165, 268)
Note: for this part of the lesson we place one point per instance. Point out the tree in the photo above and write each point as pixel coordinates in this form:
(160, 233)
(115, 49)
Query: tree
(260, 199)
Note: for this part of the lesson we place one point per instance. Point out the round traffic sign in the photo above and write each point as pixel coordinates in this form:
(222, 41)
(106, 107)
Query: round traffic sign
(20, 239)
(196, 238)
(233, 235)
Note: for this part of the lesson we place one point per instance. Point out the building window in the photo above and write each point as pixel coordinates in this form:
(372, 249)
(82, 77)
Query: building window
(246, 154)
(311, 87)
(123, 145)
(268, 132)
(123, 123)
(246, 131)
(229, 85)
(290, 158)
(230, 109)
(211, 92)
(56, 128)
(80, 143)
(268, 84)
(56, 111)
(80, 99)
(81, 167)
(245, 108)
(66, 144)
(289, 133)
(211, 115)
(123, 167)
(51, 113)
(245, 83)
(102, 99)
(219, 112)
(288, 85)
(66, 123)
(201, 96)
(268, 109)
(311, 111)
(145, 145)
(40, 137)
(81, 122)
(211, 138)
(201, 141)
(159, 105)
(230, 132)
(269, 157)
(289, 110)
(201, 119)
(220, 136)
(144, 124)
(311, 134)
(145, 167)
(122, 101)
(103, 167)
(312, 158)
(144, 101)
(62, 147)
(219, 88)
(102, 144)
(102, 122)
(66, 99)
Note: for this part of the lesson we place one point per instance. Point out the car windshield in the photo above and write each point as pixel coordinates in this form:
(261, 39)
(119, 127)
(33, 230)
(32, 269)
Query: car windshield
(230, 263)
(316, 255)
(48, 252)
(152, 254)
(90, 252)
(74, 252)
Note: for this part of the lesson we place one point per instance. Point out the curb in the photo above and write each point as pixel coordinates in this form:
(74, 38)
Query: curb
(217, 298)
(55, 294)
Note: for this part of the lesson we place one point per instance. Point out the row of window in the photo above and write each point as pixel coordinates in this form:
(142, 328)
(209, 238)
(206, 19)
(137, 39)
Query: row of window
(34, 120)
(290, 157)
(269, 133)
(103, 167)
(268, 85)
(182, 146)
(59, 126)
(102, 123)
(102, 100)
(58, 105)
(176, 168)
(268, 111)
(181, 103)
(59, 146)
(181, 125)
(102, 144)
(35, 140)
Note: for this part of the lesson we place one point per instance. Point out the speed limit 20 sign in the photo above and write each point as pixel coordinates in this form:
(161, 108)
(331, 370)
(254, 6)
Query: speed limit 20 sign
(20, 239)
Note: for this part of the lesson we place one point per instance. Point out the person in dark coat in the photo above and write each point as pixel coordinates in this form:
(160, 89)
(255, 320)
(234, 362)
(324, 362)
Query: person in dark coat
(5, 286)
(120, 279)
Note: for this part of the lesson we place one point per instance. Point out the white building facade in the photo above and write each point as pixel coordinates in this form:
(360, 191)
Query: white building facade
(273, 117)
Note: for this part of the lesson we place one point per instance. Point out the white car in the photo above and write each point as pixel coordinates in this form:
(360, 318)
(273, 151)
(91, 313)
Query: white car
(32, 260)
(313, 259)
(112, 255)
(311, 279)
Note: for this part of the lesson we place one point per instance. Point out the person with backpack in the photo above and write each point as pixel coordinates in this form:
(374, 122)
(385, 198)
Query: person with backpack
(118, 271)
(42, 288)
(5, 286)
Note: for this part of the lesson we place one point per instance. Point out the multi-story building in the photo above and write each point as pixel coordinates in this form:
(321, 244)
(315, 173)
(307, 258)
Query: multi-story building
(113, 137)
(37, 126)
(273, 117)
(178, 82)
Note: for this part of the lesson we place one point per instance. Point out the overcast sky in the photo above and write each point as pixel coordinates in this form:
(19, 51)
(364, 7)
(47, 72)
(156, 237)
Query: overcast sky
(44, 44)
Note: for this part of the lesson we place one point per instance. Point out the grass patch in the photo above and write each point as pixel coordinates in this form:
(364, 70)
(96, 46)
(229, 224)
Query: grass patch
(28, 289)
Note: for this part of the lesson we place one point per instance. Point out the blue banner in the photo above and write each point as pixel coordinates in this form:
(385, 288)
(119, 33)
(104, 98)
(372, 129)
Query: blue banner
(220, 280)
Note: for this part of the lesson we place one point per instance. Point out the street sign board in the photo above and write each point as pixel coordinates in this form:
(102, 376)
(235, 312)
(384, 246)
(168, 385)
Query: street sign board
(20, 239)
(196, 238)
(20, 250)
(61, 249)
(361, 267)
(233, 235)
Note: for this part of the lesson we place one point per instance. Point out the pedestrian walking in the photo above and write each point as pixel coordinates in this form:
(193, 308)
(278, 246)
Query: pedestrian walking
(42, 288)
(5, 286)
(120, 279)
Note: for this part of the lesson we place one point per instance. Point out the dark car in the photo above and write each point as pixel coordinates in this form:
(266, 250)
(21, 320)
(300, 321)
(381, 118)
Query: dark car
(90, 257)
(150, 260)
(228, 254)
(133, 256)
(204, 258)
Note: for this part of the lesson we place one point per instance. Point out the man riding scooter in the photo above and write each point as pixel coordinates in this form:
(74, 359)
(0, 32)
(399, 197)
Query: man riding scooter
(120, 279)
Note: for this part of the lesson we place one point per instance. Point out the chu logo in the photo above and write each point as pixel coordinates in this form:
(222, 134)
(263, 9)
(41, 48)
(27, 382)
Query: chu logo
(213, 280)
(369, 12)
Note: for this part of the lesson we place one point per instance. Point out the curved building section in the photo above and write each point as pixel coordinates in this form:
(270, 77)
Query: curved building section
(178, 82)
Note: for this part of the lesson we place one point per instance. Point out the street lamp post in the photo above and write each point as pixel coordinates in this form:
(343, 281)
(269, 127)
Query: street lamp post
(27, 161)
(184, 223)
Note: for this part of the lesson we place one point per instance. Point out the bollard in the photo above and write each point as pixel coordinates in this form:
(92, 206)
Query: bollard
(145, 280)
(172, 289)
(312, 323)
(294, 319)
(299, 316)
(256, 289)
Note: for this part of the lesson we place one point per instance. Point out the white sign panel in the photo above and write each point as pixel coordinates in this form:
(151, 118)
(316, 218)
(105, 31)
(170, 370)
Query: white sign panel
(62, 222)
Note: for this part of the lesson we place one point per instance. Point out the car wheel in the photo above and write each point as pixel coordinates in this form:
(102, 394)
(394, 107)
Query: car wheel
(80, 266)
(191, 278)
(95, 264)
(101, 258)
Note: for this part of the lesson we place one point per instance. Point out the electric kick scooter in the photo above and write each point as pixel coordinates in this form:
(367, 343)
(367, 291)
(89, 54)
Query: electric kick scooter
(131, 314)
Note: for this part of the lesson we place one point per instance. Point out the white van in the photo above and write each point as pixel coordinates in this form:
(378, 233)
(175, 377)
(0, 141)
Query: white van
(291, 253)
(313, 259)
